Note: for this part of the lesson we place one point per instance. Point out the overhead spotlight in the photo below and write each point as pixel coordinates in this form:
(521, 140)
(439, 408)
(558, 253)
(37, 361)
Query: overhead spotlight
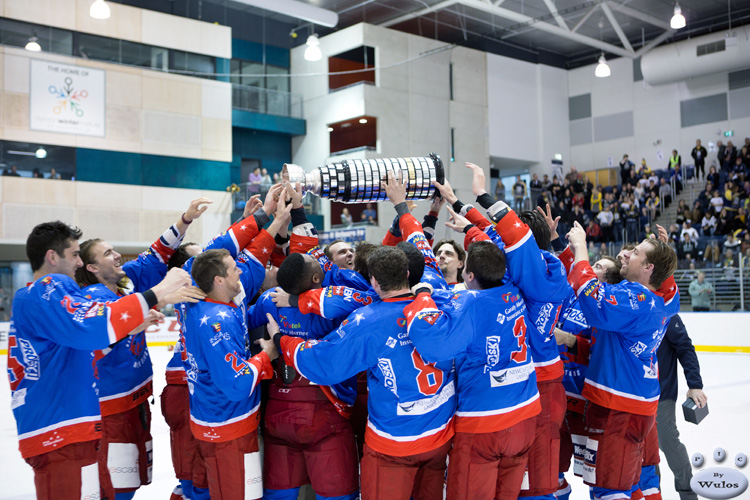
(33, 45)
(602, 69)
(99, 10)
(330, 129)
(312, 52)
(678, 20)
(363, 120)
(41, 153)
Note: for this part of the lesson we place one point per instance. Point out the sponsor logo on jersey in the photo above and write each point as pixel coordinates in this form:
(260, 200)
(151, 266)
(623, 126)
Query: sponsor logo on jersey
(612, 300)
(389, 375)
(32, 368)
(492, 347)
(510, 297)
(216, 326)
(641, 297)
(284, 321)
(543, 317)
(511, 376)
(500, 318)
(391, 342)
(218, 338)
(423, 406)
(430, 317)
(650, 372)
(638, 348)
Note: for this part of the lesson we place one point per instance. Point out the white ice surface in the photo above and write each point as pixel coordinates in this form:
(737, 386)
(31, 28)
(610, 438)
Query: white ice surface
(727, 384)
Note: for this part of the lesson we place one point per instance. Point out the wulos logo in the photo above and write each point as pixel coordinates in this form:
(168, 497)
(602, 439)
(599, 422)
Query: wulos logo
(719, 482)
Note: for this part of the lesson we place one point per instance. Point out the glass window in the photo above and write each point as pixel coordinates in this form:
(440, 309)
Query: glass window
(145, 56)
(280, 83)
(361, 58)
(252, 68)
(98, 48)
(18, 33)
(185, 61)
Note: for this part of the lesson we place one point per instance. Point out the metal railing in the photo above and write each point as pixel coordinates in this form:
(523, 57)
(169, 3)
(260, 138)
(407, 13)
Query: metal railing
(247, 189)
(267, 101)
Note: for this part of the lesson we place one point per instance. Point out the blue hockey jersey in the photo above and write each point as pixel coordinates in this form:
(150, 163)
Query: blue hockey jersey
(222, 377)
(485, 331)
(411, 403)
(575, 363)
(53, 330)
(124, 376)
(542, 280)
(629, 322)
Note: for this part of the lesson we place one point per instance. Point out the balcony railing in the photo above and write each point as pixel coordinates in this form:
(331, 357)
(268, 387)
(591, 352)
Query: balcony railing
(267, 101)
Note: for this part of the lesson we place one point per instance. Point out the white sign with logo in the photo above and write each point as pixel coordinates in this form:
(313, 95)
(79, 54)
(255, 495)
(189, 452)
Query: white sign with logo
(66, 98)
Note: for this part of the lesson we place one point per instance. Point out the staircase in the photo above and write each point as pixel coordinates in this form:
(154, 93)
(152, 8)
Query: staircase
(691, 190)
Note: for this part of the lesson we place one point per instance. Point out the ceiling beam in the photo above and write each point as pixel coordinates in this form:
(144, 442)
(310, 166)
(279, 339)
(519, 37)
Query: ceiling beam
(557, 16)
(653, 43)
(628, 11)
(518, 18)
(618, 29)
(585, 18)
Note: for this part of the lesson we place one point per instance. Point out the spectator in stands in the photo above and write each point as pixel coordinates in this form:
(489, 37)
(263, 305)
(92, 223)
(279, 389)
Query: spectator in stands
(739, 170)
(578, 200)
(644, 168)
(729, 263)
(712, 254)
(535, 188)
(701, 292)
(653, 204)
(686, 247)
(717, 201)
(699, 159)
(745, 155)
(593, 232)
(687, 228)
(675, 234)
(265, 178)
(713, 176)
(546, 183)
(617, 221)
(557, 189)
(724, 223)
(696, 213)
(633, 179)
(739, 223)
(731, 243)
(665, 192)
(346, 217)
(745, 246)
(594, 252)
(254, 180)
(625, 167)
(596, 201)
(36, 174)
(544, 199)
(708, 224)
(730, 154)
(519, 194)
(676, 175)
(369, 215)
(12, 172)
(674, 160)
(500, 190)
(606, 221)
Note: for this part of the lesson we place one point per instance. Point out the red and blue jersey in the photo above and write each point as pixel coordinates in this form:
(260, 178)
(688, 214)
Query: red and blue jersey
(411, 402)
(53, 330)
(484, 331)
(628, 322)
(576, 359)
(251, 261)
(542, 280)
(222, 377)
(294, 323)
(412, 232)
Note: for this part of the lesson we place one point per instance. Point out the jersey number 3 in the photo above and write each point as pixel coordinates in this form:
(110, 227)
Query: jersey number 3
(430, 378)
(519, 331)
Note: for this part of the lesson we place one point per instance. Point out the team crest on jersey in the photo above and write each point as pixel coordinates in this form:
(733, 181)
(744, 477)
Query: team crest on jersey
(641, 297)
(430, 317)
(46, 280)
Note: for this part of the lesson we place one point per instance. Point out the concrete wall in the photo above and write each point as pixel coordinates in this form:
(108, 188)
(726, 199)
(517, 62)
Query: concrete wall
(654, 114)
(129, 217)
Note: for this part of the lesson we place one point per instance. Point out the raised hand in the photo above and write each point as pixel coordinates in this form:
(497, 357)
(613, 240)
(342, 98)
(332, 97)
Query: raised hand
(477, 180)
(551, 222)
(280, 297)
(457, 222)
(175, 279)
(436, 204)
(295, 194)
(185, 294)
(446, 191)
(272, 197)
(252, 206)
(196, 208)
(394, 187)
(577, 239)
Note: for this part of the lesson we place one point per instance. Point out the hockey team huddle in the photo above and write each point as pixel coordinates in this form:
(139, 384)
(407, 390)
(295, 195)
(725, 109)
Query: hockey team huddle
(481, 369)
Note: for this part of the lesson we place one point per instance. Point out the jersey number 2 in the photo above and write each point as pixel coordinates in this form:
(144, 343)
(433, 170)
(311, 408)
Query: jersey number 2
(519, 331)
(430, 378)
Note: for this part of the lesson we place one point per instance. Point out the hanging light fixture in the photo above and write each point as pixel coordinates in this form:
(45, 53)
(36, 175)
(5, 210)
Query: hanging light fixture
(33, 45)
(41, 153)
(678, 20)
(312, 52)
(99, 10)
(602, 69)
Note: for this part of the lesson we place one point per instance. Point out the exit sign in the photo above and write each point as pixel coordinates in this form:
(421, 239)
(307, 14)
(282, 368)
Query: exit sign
(729, 133)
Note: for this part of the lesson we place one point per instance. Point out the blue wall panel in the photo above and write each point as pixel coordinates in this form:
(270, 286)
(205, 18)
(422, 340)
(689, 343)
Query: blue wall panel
(273, 150)
(250, 51)
(269, 123)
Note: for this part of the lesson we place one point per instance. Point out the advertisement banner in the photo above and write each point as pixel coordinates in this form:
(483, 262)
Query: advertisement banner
(66, 98)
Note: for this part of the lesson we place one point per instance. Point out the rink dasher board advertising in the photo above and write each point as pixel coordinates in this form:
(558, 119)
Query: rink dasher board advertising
(731, 337)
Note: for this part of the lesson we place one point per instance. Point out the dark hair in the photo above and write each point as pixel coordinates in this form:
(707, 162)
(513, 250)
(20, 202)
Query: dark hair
(295, 274)
(664, 260)
(416, 261)
(55, 236)
(612, 275)
(364, 249)
(538, 226)
(207, 266)
(389, 266)
(487, 262)
(327, 249)
(180, 256)
(460, 253)
(84, 277)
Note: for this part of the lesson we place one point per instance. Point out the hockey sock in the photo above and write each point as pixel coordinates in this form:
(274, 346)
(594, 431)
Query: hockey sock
(290, 494)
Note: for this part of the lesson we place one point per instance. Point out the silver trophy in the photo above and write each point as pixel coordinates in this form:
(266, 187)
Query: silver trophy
(357, 181)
